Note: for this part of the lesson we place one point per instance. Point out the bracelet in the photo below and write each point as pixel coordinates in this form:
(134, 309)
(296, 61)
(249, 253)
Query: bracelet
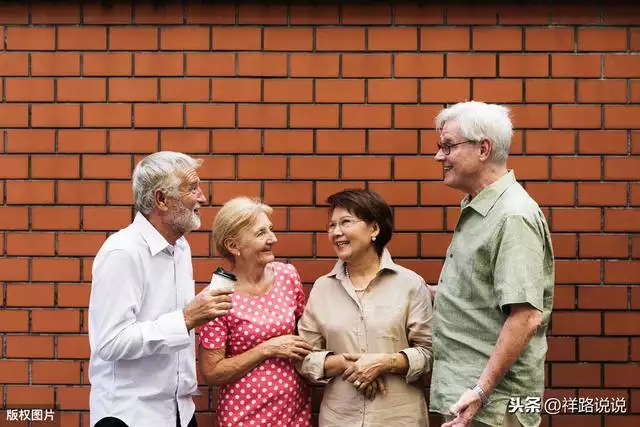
(394, 363)
(483, 397)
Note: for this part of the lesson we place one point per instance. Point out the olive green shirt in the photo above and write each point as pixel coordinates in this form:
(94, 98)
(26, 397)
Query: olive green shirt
(500, 254)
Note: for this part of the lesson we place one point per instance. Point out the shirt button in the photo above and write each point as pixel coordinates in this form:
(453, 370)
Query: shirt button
(450, 255)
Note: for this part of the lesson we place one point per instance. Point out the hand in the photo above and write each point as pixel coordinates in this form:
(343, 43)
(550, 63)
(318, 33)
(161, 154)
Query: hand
(465, 409)
(287, 346)
(377, 386)
(207, 305)
(366, 369)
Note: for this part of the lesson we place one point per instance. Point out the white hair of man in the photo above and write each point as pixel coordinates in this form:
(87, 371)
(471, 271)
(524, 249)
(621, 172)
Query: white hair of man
(158, 171)
(477, 121)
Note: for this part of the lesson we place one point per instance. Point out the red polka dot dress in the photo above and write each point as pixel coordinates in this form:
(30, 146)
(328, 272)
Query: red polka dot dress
(272, 394)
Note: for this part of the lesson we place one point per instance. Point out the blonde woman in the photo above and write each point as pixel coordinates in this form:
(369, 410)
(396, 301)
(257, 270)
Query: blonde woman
(250, 352)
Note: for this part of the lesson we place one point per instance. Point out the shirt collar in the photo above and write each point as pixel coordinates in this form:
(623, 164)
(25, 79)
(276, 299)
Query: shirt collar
(484, 201)
(156, 242)
(386, 263)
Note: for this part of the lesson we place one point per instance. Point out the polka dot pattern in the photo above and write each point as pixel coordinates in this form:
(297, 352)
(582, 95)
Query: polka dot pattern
(272, 394)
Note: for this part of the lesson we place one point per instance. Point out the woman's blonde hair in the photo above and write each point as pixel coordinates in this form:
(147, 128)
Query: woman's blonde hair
(236, 215)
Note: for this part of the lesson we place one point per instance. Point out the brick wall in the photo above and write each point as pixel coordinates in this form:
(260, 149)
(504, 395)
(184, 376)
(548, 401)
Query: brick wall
(292, 103)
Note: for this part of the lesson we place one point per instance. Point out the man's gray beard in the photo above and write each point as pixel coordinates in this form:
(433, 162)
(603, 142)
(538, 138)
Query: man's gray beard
(185, 221)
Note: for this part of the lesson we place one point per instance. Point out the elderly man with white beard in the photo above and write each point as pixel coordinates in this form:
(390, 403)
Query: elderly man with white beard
(142, 310)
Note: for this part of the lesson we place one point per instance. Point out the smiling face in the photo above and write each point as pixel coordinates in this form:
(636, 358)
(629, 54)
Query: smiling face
(462, 166)
(349, 235)
(184, 211)
(255, 243)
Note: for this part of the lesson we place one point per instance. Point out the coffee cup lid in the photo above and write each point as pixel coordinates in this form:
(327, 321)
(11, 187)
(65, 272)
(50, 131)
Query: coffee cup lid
(226, 274)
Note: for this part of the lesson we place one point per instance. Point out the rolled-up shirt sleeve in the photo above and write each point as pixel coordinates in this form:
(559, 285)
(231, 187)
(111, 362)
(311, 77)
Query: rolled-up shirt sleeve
(312, 367)
(116, 295)
(419, 334)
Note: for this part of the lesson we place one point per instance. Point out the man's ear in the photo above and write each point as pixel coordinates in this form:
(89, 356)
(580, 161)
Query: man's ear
(160, 199)
(486, 147)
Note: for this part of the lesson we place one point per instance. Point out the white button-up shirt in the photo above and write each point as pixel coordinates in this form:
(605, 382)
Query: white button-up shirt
(142, 364)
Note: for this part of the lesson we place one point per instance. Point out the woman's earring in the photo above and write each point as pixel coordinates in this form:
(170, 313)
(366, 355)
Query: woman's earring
(373, 238)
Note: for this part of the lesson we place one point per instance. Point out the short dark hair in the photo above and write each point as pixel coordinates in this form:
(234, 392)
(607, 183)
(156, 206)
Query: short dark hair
(368, 206)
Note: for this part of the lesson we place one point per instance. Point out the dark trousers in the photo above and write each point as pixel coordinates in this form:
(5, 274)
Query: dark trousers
(115, 422)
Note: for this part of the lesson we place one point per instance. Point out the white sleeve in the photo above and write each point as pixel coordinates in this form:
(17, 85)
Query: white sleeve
(114, 331)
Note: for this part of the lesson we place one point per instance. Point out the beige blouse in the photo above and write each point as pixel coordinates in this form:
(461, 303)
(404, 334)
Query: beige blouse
(392, 315)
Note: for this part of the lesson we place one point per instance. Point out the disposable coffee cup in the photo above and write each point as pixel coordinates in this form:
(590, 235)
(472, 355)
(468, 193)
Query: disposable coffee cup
(222, 279)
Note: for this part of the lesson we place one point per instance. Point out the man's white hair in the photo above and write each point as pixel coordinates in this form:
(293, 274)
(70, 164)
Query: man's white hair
(477, 120)
(158, 172)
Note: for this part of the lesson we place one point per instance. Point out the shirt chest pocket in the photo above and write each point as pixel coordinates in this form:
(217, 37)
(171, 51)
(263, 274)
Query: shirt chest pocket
(386, 321)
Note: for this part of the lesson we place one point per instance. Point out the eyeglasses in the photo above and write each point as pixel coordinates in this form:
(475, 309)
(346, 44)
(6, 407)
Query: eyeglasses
(446, 148)
(344, 223)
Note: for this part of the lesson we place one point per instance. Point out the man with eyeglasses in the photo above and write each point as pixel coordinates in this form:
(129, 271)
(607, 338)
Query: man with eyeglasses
(495, 292)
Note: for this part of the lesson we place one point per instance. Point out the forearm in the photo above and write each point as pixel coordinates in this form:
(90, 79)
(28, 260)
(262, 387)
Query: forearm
(231, 369)
(516, 333)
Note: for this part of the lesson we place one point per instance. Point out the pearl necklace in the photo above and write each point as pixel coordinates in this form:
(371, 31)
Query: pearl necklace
(346, 272)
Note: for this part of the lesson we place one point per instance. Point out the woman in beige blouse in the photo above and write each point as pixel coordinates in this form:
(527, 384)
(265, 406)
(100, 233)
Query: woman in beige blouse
(369, 321)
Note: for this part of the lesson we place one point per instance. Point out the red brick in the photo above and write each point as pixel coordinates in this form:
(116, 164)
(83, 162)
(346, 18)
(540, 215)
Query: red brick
(575, 14)
(570, 116)
(314, 116)
(471, 14)
(471, 65)
(393, 141)
(55, 115)
(14, 13)
(120, 193)
(55, 167)
(397, 193)
(497, 39)
(564, 245)
(622, 272)
(262, 116)
(548, 39)
(73, 398)
(287, 141)
(434, 245)
(253, 167)
(14, 371)
(30, 295)
(236, 90)
(366, 116)
(372, 15)
(551, 142)
(602, 194)
(159, 64)
(319, 167)
(14, 166)
(31, 38)
(288, 39)
(106, 218)
(418, 219)
(132, 90)
(530, 116)
(183, 90)
(576, 323)
(576, 219)
(314, 14)
(621, 66)
(621, 116)
(622, 168)
(503, 90)
(446, 90)
(185, 38)
(107, 115)
(622, 219)
(604, 245)
(187, 141)
(81, 192)
(14, 115)
(621, 323)
(570, 65)
(414, 116)
(158, 115)
(55, 372)
(75, 347)
(374, 167)
(262, 13)
(81, 90)
(529, 167)
(21, 90)
(339, 91)
(552, 193)
(602, 297)
(133, 38)
(618, 375)
(325, 189)
(16, 64)
(225, 191)
(392, 91)
(314, 65)
(366, 65)
(262, 64)
(444, 39)
(54, 269)
(635, 91)
(288, 90)
(556, 90)
(29, 192)
(418, 13)
(602, 39)
(45, 64)
(82, 141)
(417, 167)
(392, 39)
(108, 64)
(82, 38)
(340, 141)
(576, 375)
(564, 297)
(635, 194)
(55, 218)
(527, 65)
(561, 349)
(148, 13)
(133, 141)
(210, 64)
(112, 166)
(308, 219)
(14, 320)
(237, 38)
(596, 91)
(235, 141)
(217, 167)
(288, 193)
